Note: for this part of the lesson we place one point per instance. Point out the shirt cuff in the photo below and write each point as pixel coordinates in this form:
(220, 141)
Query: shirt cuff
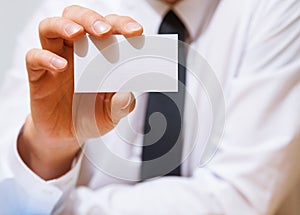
(44, 196)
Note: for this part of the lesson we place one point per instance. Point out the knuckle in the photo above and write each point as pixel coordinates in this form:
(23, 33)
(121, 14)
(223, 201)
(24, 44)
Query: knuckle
(112, 15)
(31, 55)
(67, 10)
(127, 18)
(47, 23)
(43, 23)
(36, 59)
(119, 19)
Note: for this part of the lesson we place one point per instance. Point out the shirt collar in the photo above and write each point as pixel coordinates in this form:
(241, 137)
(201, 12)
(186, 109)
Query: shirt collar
(193, 13)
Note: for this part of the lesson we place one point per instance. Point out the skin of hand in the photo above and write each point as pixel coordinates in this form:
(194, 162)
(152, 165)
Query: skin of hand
(172, 1)
(48, 142)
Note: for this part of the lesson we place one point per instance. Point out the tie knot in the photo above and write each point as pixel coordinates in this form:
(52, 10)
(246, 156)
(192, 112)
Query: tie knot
(171, 24)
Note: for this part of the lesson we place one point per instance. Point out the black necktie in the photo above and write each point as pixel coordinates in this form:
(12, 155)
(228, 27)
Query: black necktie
(155, 163)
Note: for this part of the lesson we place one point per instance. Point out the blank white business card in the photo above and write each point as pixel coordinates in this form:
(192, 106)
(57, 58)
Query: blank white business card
(119, 64)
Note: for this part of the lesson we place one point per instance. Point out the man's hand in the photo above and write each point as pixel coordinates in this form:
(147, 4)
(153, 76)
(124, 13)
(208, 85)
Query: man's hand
(48, 142)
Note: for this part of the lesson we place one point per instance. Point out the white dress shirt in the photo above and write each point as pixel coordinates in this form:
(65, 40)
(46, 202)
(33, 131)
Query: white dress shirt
(253, 47)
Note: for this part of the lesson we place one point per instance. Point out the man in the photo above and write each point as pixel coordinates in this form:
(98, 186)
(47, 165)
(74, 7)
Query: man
(253, 47)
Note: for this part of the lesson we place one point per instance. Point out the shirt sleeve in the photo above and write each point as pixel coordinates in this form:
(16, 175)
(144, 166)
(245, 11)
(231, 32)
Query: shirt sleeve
(22, 191)
(260, 152)
(28, 192)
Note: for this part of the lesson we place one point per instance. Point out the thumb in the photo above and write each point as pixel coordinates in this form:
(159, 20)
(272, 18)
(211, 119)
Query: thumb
(122, 103)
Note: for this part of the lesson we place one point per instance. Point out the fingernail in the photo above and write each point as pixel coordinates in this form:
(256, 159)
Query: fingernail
(58, 63)
(101, 27)
(133, 26)
(128, 103)
(72, 29)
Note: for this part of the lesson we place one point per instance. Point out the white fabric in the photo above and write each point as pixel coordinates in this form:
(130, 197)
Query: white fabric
(254, 48)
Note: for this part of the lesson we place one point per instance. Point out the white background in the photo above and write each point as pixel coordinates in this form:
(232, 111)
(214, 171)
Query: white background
(13, 15)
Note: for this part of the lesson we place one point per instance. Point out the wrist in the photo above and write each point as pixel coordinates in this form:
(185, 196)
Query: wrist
(48, 157)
